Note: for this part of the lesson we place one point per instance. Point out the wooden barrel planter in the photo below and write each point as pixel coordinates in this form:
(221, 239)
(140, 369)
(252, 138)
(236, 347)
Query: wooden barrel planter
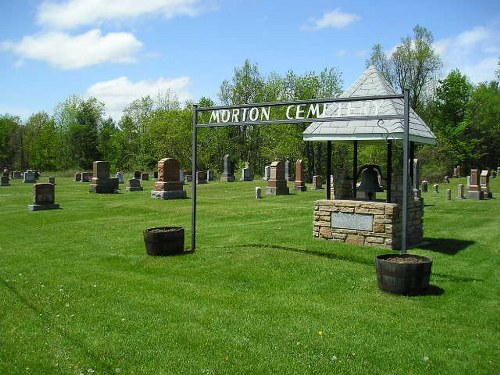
(405, 274)
(164, 240)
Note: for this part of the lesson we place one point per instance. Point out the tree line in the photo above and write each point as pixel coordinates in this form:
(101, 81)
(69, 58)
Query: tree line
(464, 117)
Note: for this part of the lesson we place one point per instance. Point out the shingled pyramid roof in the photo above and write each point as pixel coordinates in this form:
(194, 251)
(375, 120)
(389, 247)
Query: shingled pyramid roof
(371, 83)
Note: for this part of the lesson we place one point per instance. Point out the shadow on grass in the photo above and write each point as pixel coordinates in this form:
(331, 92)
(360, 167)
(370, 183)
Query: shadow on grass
(433, 290)
(310, 252)
(96, 357)
(448, 246)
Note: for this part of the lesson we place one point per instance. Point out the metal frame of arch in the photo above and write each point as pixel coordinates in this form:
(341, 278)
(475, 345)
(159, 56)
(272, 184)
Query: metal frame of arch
(234, 117)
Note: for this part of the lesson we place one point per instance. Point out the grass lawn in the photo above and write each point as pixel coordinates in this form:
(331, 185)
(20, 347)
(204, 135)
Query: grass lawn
(79, 295)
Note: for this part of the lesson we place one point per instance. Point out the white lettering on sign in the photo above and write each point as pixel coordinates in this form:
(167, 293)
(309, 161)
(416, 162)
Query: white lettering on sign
(298, 111)
(240, 115)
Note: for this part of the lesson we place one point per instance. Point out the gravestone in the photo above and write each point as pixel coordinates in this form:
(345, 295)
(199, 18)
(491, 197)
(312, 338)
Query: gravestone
(468, 182)
(446, 180)
(416, 178)
(228, 174)
(101, 183)
(498, 171)
(182, 175)
(474, 191)
(267, 173)
(201, 177)
(246, 173)
(17, 175)
(188, 178)
(5, 181)
(317, 182)
(455, 174)
(52, 180)
(459, 172)
(277, 184)
(258, 192)
(78, 176)
(425, 186)
(137, 174)
(43, 197)
(134, 184)
(299, 183)
(29, 177)
(436, 188)
(86, 176)
(119, 176)
(341, 185)
(210, 175)
(144, 176)
(288, 172)
(484, 182)
(168, 185)
(155, 174)
(448, 194)
(460, 191)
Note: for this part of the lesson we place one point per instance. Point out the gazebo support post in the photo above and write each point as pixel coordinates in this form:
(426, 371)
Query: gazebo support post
(328, 169)
(354, 167)
(389, 171)
(406, 154)
(193, 178)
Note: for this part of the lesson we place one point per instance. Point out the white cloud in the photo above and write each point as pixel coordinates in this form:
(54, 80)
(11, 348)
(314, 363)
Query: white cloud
(474, 52)
(334, 19)
(75, 13)
(120, 92)
(73, 52)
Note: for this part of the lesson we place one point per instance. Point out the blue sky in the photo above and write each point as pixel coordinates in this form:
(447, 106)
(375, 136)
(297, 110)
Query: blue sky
(121, 50)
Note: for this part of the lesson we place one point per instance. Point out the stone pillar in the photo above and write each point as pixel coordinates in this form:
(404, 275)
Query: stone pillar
(228, 174)
(484, 182)
(448, 194)
(299, 184)
(277, 184)
(460, 191)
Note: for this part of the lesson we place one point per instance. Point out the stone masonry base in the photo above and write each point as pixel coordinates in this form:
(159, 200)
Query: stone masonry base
(369, 223)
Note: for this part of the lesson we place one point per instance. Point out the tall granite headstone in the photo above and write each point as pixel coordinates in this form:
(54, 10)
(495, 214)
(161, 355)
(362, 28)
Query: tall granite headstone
(267, 173)
(484, 182)
(474, 190)
(228, 174)
(277, 184)
(5, 181)
(168, 185)
(101, 183)
(299, 183)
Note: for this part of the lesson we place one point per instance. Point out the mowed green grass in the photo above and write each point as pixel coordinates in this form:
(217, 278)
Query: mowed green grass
(79, 295)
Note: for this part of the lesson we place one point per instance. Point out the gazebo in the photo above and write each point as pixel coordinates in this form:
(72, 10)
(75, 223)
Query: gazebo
(346, 215)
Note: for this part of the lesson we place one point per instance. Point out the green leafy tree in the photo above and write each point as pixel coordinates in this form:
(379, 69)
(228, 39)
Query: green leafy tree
(413, 65)
(42, 142)
(11, 142)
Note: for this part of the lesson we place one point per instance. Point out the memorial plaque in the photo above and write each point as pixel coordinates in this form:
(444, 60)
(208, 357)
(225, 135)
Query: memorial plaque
(352, 221)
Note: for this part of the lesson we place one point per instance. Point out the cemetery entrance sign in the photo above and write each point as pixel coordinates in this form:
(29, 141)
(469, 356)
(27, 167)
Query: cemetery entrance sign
(362, 108)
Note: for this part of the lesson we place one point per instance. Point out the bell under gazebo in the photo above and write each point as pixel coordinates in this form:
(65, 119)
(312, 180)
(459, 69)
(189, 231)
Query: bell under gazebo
(351, 213)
